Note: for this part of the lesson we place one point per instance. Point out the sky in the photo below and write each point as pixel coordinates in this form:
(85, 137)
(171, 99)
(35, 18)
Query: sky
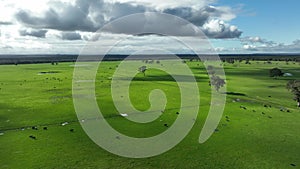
(69, 26)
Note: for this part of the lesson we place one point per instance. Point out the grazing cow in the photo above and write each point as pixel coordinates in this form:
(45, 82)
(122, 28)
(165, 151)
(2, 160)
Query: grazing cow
(243, 107)
(34, 128)
(71, 130)
(32, 137)
(298, 102)
(166, 125)
(45, 128)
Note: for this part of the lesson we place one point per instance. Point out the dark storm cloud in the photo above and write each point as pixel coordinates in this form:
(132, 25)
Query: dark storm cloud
(70, 36)
(33, 32)
(91, 15)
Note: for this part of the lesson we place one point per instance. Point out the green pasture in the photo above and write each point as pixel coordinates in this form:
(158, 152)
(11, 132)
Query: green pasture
(259, 128)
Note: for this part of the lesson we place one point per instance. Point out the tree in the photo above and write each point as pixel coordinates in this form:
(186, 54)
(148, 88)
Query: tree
(294, 87)
(231, 61)
(210, 70)
(248, 62)
(142, 70)
(275, 72)
(217, 82)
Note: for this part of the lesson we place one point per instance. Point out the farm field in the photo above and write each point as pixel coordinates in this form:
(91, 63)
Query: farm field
(259, 127)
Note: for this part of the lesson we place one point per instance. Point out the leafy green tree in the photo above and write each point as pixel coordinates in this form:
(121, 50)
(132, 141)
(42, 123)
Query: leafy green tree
(248, 62)
(210, 70)
(294, 87)
(275, 72)
(143, 70)
(231, 61)
(217, 82)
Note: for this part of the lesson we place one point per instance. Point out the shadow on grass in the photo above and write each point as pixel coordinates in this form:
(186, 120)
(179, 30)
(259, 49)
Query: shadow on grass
(180, 78)
(235, 94)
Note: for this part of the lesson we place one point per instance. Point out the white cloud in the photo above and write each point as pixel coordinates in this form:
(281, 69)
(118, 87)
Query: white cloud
(220, 30)
(249, 47)
(257, 40)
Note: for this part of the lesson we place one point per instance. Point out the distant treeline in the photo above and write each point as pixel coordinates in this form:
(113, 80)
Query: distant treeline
(31, 59)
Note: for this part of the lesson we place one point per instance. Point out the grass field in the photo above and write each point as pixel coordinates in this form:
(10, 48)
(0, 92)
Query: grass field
(255, 137)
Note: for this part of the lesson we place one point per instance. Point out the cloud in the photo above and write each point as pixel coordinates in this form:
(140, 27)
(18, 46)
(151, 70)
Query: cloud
(84, 15)
(90, 15)
(152, 23)
(256, 40)
(194, 16)
(122, 9)
(293, 47)
(220, 49)
(59, 16)
(70, 23)
(253, 39)
(70, 36)
(175, 26)
(33, 32)
(205, 19)
(5, 23)
(162, 5)
(250, 47)
(218, 29)
(263, 45)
